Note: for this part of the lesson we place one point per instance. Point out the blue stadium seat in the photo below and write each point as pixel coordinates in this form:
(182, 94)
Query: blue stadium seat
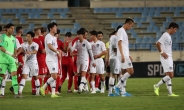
(120, 10)
(150, 14)
(34, 10)
(134, 34)
(14, 10)
(74, 31)
(158, 34)
(133, 9)
(165, 9)
(156, 29)
(44, 25)
(127, 9)
(150, 29)
(182, 9)
(158, 9)
(171, 9)
(145, 39)
(178, 39)
(17, 15)
(67, 30)
(77, 26)
(108, 10)
(65, 10)
(118, 14)
(178, 9)
(114, 25)
(168, 19)
(144, 14)
(145, 9)
(59, 10)
(137, 19)
(152, 40)
(50, 15)
(31, 15)
(165, 24)
(3, 21)
(139, 9)
(114, 10)
(63, 15)
(8, 11)
(176, 13)
(20, 10)
(162, 29)
(143, 19)
(96, 10)
(40, 10)
(31, 26)
(1, 10)
(37, 15)
(157, 14)
(102, 10)
(9, 20)
(22, 21)
(27, 10)
(53, 10)
(62, 31)
(138, 40)
(139, 24)
(152, 9)
(0, 16)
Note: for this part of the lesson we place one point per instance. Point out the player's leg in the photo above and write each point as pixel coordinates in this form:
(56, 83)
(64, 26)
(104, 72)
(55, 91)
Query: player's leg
(2, 86)
(107, 77)
(70, 79)
(34, 72)
(97, 82)
(64, 74)
(92, 76)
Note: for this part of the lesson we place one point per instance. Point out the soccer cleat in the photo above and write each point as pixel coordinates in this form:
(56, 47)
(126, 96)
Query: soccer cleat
(156, 90)
(0, 91)
(126, 95)
(75, 90)
(2, 96)
(42, 91)
(93, 92)
(97, 89)
(69, 91)
(112, 95)
(80, 89)
(11, 90)
(17, 96)
(173, 95)
(54, 96)
(91, 89)
(117, 90)
(102, 90)
(37, 94)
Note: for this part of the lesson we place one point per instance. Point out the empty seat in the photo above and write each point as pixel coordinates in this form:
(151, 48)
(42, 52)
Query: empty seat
(136, 19)
(31, 26)
(114, 25)
(3, 21)
(31, 15)
(176, 13)
(146, 39)
(118, 15)
(65, 10)
(96, 10)
(27, 10)
(157, 13)
(138, 40)
(168, 19)
(9, 20)
(53, 10)
(152, 40)
(63, 15)
(114, 10)
(44, 25)
(22, 21)
(74, 31)
(76, 26)
(67, 30)
(17, 15)
(37, 15)
(50, 15)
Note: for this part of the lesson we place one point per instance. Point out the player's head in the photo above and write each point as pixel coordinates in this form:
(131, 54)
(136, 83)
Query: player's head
(19, 30)
(52, 27)
(29, 36)
(93, 34)
(37, 31)
(100, 35)
(1, 28)
(57, 34)
(9, 28)
(68, 35)
(118, 28)
(113, 33)
(129, 23)
(81, 34)
(86, 32)
(173, 27)
(43, 31)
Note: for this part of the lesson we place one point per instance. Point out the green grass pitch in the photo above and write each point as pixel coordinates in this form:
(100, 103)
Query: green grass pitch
(141, 88)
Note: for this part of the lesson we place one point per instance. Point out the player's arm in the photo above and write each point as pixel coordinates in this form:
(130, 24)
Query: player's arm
(91, 54)
(158, 44)
(72, 48)
(2, 47)
(121, 50)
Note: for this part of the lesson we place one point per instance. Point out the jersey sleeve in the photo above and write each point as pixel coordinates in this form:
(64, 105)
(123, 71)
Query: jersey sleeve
(48, 40)
(114, 43)
(36, 46)
(88, 46)
(40, 45)
(162, 39)
(103, 46)
(18, 44)
(1, 40)
(119, 36)
(15, 43)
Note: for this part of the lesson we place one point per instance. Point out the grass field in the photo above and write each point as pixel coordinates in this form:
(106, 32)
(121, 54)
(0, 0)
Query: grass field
(141, 88)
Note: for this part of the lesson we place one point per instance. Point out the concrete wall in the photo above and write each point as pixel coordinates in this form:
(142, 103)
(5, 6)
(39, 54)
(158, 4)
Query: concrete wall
(143, 56)
(35, 4)
(137, 3)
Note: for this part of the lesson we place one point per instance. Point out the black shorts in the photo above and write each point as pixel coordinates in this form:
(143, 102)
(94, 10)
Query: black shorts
(108, 69)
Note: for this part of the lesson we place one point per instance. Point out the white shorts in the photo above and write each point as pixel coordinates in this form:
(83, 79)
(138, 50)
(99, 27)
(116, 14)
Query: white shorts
(126, 64)
(115, 67)
(99, 66)
(167, 64)
(30, 67)
(52, 66)
(82, 66)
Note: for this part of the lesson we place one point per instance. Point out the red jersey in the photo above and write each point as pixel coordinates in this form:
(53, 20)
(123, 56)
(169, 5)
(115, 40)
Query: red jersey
(40, 55)
(20, 56)
(42, 39)
(20, 39)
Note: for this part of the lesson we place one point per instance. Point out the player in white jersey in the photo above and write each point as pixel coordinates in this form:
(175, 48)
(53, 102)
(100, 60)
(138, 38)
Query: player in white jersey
(30, 49)
(51, 58)
(124, 56)
(83, 48)
(164, 45)
(98, 49)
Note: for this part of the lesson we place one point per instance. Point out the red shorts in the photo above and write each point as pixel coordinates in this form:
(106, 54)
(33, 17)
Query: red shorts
(20, 60)
(74, 67)
(42, 68)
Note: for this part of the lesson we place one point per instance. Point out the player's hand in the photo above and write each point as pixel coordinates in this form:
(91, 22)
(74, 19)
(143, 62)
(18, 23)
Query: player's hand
(130, 58)
(28, 52)
(122, 59)
(14, 56)
(95, 56)
(94, 65)
(164, 55)
(107, 62)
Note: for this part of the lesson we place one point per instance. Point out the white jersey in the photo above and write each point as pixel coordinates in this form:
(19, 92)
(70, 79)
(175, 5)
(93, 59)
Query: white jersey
(97, 47)
(112, 46)
(30, 48)
(122, 36)
(166, 43)
(50, 55)
(17, 43)
(82, 50)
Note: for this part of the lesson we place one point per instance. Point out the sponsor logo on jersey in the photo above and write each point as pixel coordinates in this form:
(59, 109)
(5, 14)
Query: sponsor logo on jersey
(53, 69)
(129, 64)
(97, 45)
(32, 47)
(83, 45)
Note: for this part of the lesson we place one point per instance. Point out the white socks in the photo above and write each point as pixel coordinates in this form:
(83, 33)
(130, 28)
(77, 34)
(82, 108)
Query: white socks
(169, 86)
(93, 85)
(163, 80)
(123, 79)
(102, 86)
(83, 81)
(3, 86)
(53, 86)
(37, 84)
(49, 81)
(111, 84)
(123, 87)
(21, 85)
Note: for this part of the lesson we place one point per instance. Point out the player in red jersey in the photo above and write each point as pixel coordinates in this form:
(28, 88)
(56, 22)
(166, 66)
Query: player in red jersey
(40, 58)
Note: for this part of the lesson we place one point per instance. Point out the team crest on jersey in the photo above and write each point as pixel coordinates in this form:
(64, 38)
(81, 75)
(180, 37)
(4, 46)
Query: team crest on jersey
(116, 70)
(53, 69)
(97, 45)
(83, 45)
(13, 41)
(32, 48)
(36, 70)
(129, 64)
(0, 69)
(170, 68)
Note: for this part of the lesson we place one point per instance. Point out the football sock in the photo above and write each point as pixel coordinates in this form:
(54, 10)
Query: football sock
(53, 86)
(49, 81)
(93, 85)
(15, 84)
(111, 84)
(33, 85)
(75, 82)
(41, 80)
(37, 84)
(97, 81)
(102, 84)
(169, 86)
(163, 80)
(3, 86)
(124, 77)
(107, 82)
(83, 81)
(21, 85)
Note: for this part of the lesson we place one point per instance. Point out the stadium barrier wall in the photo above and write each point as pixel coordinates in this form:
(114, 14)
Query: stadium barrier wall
(35, 4)
(136, 3)
(154, 69)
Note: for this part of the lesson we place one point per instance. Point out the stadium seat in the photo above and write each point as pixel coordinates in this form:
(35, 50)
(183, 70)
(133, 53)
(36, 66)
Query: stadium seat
(8, 11)
(0, 16)
(143, 19)
(3, 20)
(118, 15)
(62, 31)
(139, 9)
(114, 25)
(144, 14)
(59, 10)
(120, 10)
(145, 39)
(137, 19)
(152, 40)
(176, 13)
(31, 26)
(152, 9)
(158, 9)
(139, 24)
(114, 10)
(9, 20)
(67, 30)
(14, 10)
(65, 10)
(27, 10)
(21, 10)
(102, 10)
(162, 29)
(168, 19)
(63, 15)
(31, 15)
(150, 29)
(127, 9)
(53, 10)
(152, 24)
(34, 10)
(74, 31)
(171, 9)
(108, 10)
(44, 25)
(156, 29)
(96, 10)
(165, 24)
(134, 34)
(76, 26)
(165, 9)
(151, 13)
(40, 10)
(37, 15)
(22, 21)
(149, 19)
(50, 15)
(138, 40)
(157, 14)
(178, 9)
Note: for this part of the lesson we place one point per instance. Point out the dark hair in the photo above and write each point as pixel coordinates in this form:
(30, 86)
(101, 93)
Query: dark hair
(51, 25)
(43, 29)
(128, 20)
(68, 34)
(58, 31)
(118, 27)
(9, 25)
(18, 28)
(173, 25)
(93, 32)
(1, 28)
(81, 31)
(31, 33)
(36, 29)
(100, 32)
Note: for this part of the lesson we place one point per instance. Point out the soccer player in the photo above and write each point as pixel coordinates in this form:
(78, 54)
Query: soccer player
(51, 58)
(30, 49)
(67, 64)
(7, 54)
(40, 58)
(124, 56)
(83, 51)
(98, 49)
(164, 45)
